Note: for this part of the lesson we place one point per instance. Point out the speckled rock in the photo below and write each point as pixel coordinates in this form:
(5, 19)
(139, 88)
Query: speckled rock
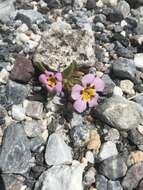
(59, 46)
(120, 113)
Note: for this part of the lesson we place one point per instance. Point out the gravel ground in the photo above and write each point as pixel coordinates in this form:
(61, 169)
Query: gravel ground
(45, 144)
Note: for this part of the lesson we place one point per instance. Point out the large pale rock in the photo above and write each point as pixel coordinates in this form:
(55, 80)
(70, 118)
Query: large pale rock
(120, 113)
(62, 177)
(62, 45)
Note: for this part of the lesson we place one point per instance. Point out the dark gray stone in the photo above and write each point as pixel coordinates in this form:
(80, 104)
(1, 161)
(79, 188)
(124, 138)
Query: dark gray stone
(16, 93)
(53, 3)
(109, 85)
(30, 16)
(3, 113)
(36, 143)
(124, 68)
(133, 176)
(79, 135)
(120, 113)
(114, 185)
(140, 185)
(15, 154)
(113, 167)
(101, 182)
(91, 4)
(136, 137)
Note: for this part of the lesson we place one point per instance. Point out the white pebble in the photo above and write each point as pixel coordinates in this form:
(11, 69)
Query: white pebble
(18, 112)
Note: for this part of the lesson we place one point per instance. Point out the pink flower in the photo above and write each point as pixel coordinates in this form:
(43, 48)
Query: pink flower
(87, 94)
(51, 81)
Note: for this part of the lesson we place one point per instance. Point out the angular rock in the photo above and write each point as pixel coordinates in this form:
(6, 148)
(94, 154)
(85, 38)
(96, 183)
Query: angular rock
(33, 109)
(16, 93)
(101, 182)
(127, 87)
(23, 70)
(30, 16)
(6, 10)
(113, 167)
(120, 113)
(58, 46)
(15, 154)
(114, 185)
(57, 151)
(133, 176)
(89, 177)
(107, 150)
(136, 137)
(109, 85)
(63, 177)
(124, 68)
(18, 112)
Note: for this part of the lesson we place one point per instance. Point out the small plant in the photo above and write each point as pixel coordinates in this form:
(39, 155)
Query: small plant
(83, 88)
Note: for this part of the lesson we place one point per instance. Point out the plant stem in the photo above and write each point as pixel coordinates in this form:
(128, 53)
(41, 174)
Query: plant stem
(140, 94)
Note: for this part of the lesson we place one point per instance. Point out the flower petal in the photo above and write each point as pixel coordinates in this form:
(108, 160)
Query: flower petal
(99, 84)
(43, 79)
(58, 87)
(49, 88)
(93, 101)
(88, 79)
(79, 105)
(76, 90)
(49, 73)
(59, 76)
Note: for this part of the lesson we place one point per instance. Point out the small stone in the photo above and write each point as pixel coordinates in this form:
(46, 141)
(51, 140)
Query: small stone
(113, 167)
(15, 155)
(16, 93)
(23, 70)
(33, 109)
(113, 135)
(62, 177)
(138, 59)
(57, 151)
(124, 8)
(30, 16)
(36, 143)
(110, 2)
(136, 156)
(120, 113)
(107, 150)
(109, 85)
(18, 112)
(101, 182)
(77, 119)
(94, 142)
(33, 128)
(114, 185)
(127, 87)
(133, 176)
(91, 4)
(117, 91)
(124, 68)
(90, 157)
(89, 177)
(135, 136)
(79, 135)
(4, 75)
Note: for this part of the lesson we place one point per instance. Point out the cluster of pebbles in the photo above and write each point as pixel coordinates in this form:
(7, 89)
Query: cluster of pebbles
(45, 144)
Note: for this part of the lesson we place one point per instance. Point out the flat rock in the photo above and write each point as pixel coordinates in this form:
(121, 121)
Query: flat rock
(120, 113)
(15, 155)
(63, 177)
(57, 151)
(124, 68)
(16, 93)
(113, 167)
(23, 70)
(58, 46)
(33, 109)
(133, 176)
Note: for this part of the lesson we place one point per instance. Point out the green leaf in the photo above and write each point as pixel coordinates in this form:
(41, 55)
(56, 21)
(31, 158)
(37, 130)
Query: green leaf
(52, 94)
(67, 73)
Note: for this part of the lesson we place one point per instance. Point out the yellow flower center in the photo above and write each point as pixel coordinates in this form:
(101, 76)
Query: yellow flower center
(52, 81)
(88, 93)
